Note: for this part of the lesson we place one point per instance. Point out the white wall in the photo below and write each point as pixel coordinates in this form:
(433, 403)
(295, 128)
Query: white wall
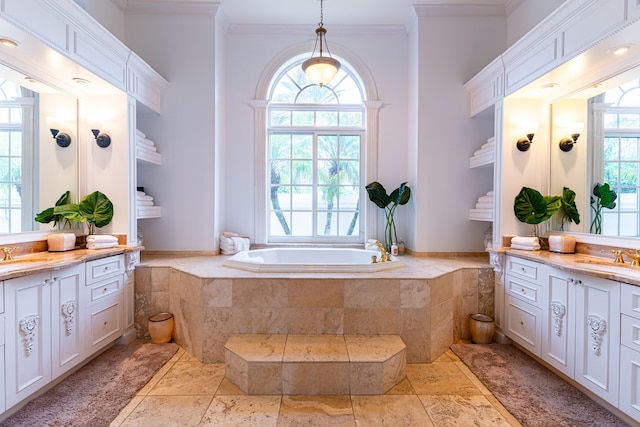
(526, 14)
(180, 46)
(110, 13)
(251, 50)
(451, 49)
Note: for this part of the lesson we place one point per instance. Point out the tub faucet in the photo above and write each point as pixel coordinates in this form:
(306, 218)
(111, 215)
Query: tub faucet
(8, 256)
(383, 253)
(635, 259)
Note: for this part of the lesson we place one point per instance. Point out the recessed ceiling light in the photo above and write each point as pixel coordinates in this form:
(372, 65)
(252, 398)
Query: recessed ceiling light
(8, 42)
(620, 50)
(31, 79)
(81, 81)
(549, 86)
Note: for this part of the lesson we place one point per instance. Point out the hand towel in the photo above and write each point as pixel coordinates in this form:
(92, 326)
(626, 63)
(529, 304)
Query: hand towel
(146, 147)
(144, 202)
(485, 199)
(490, 193)
(140, 133)
(92, 245)
(102, 238)
(525, 241)
(535, 247)
(144, 197)
(242, 243)
(481, 205)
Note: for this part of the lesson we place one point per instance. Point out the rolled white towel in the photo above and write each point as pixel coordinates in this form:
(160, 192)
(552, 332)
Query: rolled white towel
(485, 199)
(525, 241)
(140, 133)
(241, 243)
(481, 205)
(145, 198)
(92, 245)
(491, 140)
(144, 202)
(102, 238)
(490, 193)
(535, 247)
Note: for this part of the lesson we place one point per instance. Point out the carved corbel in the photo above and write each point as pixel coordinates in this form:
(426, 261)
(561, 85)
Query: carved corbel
(69, 312)
(597, 329)
(28, 327)
(558, 310)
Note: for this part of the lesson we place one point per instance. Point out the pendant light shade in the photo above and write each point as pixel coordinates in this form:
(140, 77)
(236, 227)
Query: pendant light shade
(321, 69)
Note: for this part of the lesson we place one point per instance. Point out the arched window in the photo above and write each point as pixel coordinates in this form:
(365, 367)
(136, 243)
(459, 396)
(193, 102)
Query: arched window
(315, 150)
(617, 144)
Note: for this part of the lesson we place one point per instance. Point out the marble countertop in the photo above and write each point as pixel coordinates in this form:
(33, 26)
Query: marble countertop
(578, 263)
(43, 262)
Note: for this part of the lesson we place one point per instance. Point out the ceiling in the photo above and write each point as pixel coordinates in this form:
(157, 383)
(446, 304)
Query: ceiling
(336, 12)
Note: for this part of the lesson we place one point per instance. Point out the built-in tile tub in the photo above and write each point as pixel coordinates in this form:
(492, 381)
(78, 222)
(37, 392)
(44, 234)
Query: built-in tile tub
(427, 302)
(317, 260)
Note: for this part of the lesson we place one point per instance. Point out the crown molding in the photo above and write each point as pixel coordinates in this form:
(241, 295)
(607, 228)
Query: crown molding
(333, 30)
(120, 4)
(460, 10)
(137, 7)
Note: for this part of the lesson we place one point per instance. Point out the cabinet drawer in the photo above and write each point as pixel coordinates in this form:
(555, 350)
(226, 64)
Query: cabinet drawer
(630, 300)
(523, 268)
(630, 332)
(106, 288)
(526, 291)
(103, 268)
(105, 324)
(524, 324)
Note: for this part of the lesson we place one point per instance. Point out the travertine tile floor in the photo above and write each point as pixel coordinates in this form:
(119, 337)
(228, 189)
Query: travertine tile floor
(186, 392)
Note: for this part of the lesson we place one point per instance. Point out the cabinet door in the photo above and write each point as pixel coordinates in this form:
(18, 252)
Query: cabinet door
(630, 382)
(104, 316)
(27, 336)
(523, 324)
(558, 330)
(598, 336)
(67, 328)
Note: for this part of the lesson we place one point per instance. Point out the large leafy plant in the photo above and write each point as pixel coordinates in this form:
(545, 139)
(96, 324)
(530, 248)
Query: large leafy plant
(95, 209)
(531, 207)
(569, 210)
(603, 196)
(48, 215)
(389, 202)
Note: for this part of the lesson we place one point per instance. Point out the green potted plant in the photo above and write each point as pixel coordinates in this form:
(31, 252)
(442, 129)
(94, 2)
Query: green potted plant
(603, 196)
(533, 208)
(48, 215)
(389, 202)
(95, 209)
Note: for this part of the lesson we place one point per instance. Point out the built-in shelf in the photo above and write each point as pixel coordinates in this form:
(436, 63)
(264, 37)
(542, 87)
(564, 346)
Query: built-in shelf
(148, 212)
(480, 215)
(484, 208)
(485, 159)
(148, 156)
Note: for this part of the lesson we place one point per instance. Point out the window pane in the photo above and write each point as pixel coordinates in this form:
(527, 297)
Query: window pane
(4, 143)
(16, 115)
(16, 144)
(611, 148)
(350, 146)
(629, 224)
(348, 223)
(349, 173)
(4, 169)
(280, 197)
(327, 118)
(327, 224)
(280, 172)
(348, 92)
(349, 197)
(629, 121)
(327, 172)
(280, 146)
(327, 197)
(628, 174)
(279, 223)
(628, 148)
(302, 224)
(302, 198)
(351, 118)
(628, 199)
(302, 172)
(16, 169)
(316, 95)
(609, 223)
(302, 118)
(327, 146)
(4, 220)
(302, 146)
(281, 118)
(4, 115)
(611, 173)
(610, 121)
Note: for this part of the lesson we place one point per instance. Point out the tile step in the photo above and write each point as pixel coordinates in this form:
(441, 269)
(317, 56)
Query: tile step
(315, 364)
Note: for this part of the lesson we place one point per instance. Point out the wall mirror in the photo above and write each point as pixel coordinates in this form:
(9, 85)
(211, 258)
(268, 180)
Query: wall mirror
(607, 151)
(34, 169)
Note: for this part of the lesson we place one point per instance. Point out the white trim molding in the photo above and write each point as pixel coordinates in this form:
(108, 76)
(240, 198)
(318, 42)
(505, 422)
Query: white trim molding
(137, 7)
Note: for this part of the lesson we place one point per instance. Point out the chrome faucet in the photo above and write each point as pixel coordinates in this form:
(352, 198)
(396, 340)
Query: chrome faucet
(384, 256)
(635, 259)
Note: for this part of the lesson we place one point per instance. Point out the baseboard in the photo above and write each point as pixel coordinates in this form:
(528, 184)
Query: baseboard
(127, 338)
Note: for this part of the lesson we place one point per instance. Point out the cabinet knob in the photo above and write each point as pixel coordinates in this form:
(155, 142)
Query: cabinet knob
(105, 269)
(104, 291)
(106, 323)
(521, 323)
(523, 291)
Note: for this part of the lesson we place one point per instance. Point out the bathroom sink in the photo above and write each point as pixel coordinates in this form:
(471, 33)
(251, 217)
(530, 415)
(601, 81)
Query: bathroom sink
(605, 263)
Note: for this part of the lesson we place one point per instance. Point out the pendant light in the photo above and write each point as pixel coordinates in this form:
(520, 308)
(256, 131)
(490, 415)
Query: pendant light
(321, 69)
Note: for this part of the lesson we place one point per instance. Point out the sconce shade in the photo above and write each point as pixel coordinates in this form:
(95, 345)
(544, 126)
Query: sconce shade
(62, 139)
(102, 139)
(321, 69)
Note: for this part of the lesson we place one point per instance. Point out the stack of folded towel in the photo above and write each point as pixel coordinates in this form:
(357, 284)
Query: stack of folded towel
(142, 199)
(231, 243)
(101, 241)
(143, 143)
(486, 148)
(525, 243)
(484, 206)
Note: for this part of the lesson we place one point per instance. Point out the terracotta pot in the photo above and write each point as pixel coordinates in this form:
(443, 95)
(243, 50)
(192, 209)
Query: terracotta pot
(482, 328)
(161, 327)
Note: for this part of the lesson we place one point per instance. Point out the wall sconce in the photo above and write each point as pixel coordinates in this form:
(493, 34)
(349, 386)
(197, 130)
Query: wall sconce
(102, 139)
(62, 139)
(566, 144)
(524, 143)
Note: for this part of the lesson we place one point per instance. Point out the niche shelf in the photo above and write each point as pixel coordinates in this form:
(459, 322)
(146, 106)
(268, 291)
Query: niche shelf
(143, 212)
(146, 150)
(484, 156)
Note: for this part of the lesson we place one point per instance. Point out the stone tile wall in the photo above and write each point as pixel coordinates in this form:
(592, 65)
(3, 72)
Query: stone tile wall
(428, 314)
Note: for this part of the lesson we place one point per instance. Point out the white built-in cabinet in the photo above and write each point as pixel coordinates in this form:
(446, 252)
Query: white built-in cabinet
(54, 321)
(573, 322)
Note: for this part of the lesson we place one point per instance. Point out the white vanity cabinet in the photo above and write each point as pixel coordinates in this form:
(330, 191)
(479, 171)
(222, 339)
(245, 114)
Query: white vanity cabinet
(630, 351)
(28, 336)
(581, 329)
(103, 297)
(523, 303)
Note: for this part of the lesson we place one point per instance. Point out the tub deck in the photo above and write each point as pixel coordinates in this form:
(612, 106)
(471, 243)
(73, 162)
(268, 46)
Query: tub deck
(427, 302)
